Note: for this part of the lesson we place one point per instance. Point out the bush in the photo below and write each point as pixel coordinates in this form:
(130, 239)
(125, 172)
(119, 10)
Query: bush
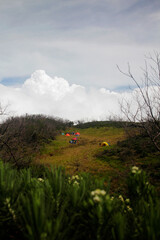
(22, 136)
(58, 206)
(99, 124)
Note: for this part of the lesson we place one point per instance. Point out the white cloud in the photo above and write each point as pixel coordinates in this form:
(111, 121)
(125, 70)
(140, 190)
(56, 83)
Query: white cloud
(81, 40)
(42, 94)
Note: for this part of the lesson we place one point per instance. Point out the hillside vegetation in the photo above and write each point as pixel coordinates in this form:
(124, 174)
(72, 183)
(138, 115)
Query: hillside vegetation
(111, 162)
(22, 137)
(81, 157)
(53, 190)
(56, 206)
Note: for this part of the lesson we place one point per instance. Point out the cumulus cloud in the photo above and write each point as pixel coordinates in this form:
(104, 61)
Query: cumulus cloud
(42, 94)
(82, 40)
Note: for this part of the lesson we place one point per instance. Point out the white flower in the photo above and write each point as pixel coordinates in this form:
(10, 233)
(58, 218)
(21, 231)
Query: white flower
(76, 183)
(69, 180)
(41, 179)
(121, 198)
(129, 209)
(75, 177)
(97, 198)
(7, 202)
(98, 192)
(127, 200)
(103, 192)
(135, 170)
(74, 180)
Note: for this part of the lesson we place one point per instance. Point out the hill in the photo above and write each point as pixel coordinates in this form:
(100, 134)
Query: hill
(78, 191)
(112, 162)
(38, 139)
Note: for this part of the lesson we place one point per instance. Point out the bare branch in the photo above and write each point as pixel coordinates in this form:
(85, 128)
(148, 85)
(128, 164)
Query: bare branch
(146, 99)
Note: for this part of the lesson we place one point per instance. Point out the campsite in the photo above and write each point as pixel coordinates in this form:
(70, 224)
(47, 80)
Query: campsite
(80, 157)
(96, 153)
(92, 188)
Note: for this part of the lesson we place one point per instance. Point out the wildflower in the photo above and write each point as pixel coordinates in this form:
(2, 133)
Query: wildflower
(98, 192)
(129, 209)
(127, 200)
(41, 179)
(69, 180)
(103, 192)
(97, 198)
(7, 202)
(112, 198)
(134, 169)
(74, 180)
(76, 177)
(121, 198)
(75, 183)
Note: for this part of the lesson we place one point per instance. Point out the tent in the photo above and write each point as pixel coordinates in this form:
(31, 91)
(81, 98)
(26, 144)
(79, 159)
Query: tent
(67, 134)
(103, 144)
(77, 133)
(74, 138)
(62, 133)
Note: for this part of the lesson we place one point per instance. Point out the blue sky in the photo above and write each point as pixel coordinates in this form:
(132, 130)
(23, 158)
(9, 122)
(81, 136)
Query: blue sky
(78, 44)
(14, 81)
(80, 40)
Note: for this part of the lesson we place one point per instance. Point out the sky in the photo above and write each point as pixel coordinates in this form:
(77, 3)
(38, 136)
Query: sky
(75, 45)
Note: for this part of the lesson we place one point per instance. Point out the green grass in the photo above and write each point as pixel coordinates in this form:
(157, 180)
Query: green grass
(55, 146)
(87, 147)
(84, 156)
(102, 132)
(61, 206)
(51, 205)
(111, 162)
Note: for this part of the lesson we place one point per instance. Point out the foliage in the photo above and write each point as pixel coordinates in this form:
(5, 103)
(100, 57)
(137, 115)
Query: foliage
(99, 124)
(138, 146)
(58, 206)
(21, 137)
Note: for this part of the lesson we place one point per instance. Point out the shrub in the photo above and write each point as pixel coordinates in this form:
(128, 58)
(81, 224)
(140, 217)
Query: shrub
(22, 136)
(58, 206)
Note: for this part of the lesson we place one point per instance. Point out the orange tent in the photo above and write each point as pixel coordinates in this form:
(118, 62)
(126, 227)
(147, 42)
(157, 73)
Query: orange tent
(67, 134)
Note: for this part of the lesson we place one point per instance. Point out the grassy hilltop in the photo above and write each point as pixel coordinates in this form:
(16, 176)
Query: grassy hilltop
(112, 162)
(83, 156)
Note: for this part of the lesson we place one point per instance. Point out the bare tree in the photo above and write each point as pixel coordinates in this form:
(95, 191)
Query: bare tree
(4, 141)
(3, 109)
(144, 107)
